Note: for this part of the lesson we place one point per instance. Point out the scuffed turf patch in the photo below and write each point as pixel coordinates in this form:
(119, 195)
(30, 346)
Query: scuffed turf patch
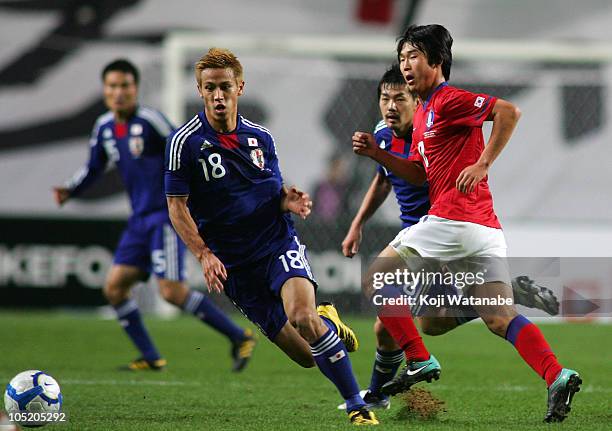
(420, 404)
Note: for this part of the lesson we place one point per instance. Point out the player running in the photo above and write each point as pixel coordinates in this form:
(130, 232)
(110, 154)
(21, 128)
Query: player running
(448, 151)
(228, 203)
(133, 138)
(393, 134)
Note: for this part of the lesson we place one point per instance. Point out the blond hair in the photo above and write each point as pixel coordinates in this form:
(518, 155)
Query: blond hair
(218, 58)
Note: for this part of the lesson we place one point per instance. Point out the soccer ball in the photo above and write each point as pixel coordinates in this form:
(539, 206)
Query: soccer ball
(32, 391)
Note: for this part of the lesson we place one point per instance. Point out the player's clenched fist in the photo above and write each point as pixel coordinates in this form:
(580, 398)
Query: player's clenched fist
(214, 272)
(364, 144)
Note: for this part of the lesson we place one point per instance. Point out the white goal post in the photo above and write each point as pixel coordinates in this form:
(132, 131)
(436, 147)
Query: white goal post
(181, 48)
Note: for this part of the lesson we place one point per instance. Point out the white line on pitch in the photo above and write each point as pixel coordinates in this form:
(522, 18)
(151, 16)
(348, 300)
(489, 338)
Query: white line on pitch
(129, 382)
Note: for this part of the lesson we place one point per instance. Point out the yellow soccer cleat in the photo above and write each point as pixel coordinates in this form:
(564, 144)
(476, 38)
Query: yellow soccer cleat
(346, 334)
(242, 351)
(144, 364)
(363, 417)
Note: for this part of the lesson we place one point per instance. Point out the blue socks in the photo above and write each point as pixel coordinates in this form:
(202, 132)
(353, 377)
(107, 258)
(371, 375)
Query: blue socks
(131, 321)
(332, 358)
(385, 367)
(201, 307)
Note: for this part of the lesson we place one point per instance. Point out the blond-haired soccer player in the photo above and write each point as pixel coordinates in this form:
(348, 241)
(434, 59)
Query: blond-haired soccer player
(228, 203)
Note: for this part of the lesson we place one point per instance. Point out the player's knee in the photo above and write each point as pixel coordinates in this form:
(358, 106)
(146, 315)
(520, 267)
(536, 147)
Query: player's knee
(497, 324)
(304, 320)
(114, 293)
(436, 326)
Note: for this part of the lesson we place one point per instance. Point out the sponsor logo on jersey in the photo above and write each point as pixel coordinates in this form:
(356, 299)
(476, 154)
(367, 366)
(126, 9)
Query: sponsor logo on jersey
(136, 129)
(430, 119)
(136, 145)
(107, 133)
(258, 158)
(206, 145)
(253, 142)
(382, 144)
(479, 101)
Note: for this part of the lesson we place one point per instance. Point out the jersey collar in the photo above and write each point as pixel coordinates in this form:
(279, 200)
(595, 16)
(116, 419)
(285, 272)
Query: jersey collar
(444, 84)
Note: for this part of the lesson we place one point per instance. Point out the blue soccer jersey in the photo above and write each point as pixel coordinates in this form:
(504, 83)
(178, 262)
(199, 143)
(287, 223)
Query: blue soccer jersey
(234, 186)
(412, 200)
(137, 149)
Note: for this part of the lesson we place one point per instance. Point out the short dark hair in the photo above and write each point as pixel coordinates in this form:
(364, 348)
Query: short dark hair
(434, 41)
(393, 77)
(121, 65)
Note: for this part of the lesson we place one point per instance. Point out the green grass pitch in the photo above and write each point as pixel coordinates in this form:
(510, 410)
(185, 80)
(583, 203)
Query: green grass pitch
(484, 382)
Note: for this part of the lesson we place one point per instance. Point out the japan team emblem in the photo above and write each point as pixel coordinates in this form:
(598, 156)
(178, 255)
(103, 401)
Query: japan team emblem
(258, 158)
(430, 119)
(136, 145)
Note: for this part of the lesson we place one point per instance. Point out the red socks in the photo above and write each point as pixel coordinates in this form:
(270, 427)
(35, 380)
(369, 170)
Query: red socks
(405, 334)
(533, 348)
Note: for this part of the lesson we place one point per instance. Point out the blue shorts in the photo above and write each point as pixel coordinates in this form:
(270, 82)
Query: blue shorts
(151, 244)
(255, 288)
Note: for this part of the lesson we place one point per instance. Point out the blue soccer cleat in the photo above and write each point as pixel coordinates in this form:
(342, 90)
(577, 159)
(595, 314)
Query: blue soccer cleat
(414, 372)
(560, 395)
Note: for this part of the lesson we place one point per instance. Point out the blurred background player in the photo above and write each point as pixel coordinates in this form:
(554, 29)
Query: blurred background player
(394, 134)
(448, 151)
(228, 203)
(133, 138)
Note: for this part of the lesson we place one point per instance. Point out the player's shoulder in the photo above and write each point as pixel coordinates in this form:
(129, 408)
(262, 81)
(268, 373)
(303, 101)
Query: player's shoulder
(382, 131)
(380, 127)
(104, 119)
(155, 119)
(450, 93)
(187, 132)
(254, 128)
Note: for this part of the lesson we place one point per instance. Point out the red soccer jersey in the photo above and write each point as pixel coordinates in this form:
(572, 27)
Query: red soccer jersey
(447, 137)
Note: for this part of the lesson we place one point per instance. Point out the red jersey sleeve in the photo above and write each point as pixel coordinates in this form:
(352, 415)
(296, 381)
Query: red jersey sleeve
(463, 108)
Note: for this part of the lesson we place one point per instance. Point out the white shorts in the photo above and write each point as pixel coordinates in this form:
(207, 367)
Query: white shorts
(449, 240)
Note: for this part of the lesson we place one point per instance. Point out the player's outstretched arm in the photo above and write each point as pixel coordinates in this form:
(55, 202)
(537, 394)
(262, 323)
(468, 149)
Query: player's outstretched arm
(505, 116)
(214, 270)
(373, 199)
(296, 201)
(365, 145)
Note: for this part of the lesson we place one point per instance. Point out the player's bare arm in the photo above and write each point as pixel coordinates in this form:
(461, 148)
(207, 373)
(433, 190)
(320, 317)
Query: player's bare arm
(373, 199)
(505, 116)
(296, 201)
(213, 269)
(365, 145)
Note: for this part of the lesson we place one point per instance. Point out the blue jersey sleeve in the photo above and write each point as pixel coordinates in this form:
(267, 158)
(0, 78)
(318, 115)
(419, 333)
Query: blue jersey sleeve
(177, 167)
(274, 166)
(380, 136)
(98, 160)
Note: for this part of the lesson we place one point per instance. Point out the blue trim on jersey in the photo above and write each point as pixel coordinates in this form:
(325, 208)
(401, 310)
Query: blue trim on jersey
(412, 200)
(444, 84)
